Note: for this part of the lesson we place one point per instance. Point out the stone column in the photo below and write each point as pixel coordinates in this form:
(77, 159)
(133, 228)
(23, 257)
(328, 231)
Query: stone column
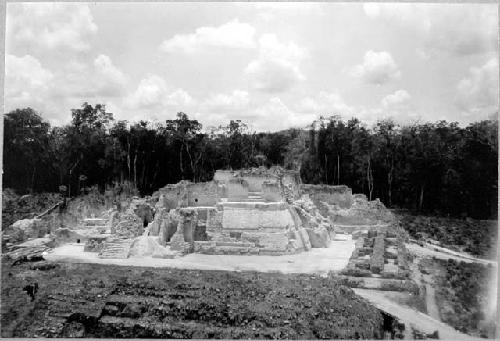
(182, 240)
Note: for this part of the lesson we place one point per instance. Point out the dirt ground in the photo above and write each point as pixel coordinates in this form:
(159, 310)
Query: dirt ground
(93, 300)
(317, 260)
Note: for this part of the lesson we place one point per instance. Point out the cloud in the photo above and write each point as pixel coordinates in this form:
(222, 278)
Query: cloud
(85, 80)
(230, 35)
(277, 67)
(398, 99)
(26, 82)
(273, 11)
(372, 10)
(153, 93)
(463, 31)
(459, 29)
(237, 100)
(110, 80)
(274, 115)
(50, 25)
(377, 68)
(324, 104)
(298, 6)
(477, 94)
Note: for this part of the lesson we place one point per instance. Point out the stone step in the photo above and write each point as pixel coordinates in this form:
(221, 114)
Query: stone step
(235, 244)
(233, 249)
(118, 249)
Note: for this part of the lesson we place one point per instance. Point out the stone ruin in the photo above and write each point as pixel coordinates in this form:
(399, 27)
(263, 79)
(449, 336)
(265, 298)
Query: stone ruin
(257, 211)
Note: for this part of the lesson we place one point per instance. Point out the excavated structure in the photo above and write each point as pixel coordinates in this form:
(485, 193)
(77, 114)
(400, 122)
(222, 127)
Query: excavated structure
(257, 211)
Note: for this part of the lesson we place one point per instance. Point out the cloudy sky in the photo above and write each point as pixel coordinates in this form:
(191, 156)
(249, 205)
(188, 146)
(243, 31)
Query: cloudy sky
(273, 65)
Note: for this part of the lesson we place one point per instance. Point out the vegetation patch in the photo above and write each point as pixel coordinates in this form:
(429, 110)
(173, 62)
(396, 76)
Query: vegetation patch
(462, 295)
(477, 237)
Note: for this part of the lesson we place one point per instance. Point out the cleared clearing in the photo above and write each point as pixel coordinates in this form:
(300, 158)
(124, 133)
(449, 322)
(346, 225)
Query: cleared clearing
(317, 260)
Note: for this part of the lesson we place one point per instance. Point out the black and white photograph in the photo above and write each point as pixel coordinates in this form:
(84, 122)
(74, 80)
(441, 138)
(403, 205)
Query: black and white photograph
(249, 170)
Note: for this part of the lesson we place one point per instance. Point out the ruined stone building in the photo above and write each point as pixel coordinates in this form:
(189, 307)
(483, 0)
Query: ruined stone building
(255, 211)
(258, 211)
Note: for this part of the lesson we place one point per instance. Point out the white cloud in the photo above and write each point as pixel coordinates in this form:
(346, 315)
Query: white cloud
(230, 35)
(110, 80)
(463, 31)
(372, 10)
(274, 115)
(398, 99)
(237, 100)
(286, 5)
(460, 29)
(377, 68)
(277, 67)
(178, 98)
(477, 94)
(153, 93)
(324, 104)
(86, 80)
(26, 82)
(51, 25)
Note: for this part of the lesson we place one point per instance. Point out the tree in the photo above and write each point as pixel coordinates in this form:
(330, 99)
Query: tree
(183, 131)
(26, 150)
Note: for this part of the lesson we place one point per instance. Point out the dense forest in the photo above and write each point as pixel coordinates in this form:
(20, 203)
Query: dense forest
(427, 167)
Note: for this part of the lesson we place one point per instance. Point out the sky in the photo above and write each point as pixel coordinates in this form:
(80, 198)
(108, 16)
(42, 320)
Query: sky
(271, 65)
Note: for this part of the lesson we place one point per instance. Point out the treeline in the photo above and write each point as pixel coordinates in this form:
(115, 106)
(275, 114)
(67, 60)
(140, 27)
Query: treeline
(432, 167)
(438, 167)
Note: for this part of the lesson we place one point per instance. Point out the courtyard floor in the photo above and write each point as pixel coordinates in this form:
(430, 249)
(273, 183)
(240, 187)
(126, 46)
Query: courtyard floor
(317, 260)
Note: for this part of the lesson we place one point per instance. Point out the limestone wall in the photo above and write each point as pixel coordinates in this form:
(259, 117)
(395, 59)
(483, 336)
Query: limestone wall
(189, 194)
(237, 189)
(202, 194)
(255, 181)
(362, 212)
(332, 195)
(223, 176)
(170, 196)
(271, 191)
(254, 216)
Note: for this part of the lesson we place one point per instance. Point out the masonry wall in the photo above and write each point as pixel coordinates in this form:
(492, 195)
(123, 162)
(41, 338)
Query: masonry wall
(254, 216)
(255, 181)
(271, 191)
(202, 194)
(223, 176)
(236, 189)
(170, 196)
(332, 195)
(252, 228)
(189, 194)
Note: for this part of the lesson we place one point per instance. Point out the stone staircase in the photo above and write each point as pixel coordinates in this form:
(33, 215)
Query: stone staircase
(117, 248)
(255, 197)
(101, 224)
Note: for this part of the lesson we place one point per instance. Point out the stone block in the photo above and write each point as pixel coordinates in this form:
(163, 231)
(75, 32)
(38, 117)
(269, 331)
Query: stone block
(271, 191)
(237, 189)
(319, 237)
